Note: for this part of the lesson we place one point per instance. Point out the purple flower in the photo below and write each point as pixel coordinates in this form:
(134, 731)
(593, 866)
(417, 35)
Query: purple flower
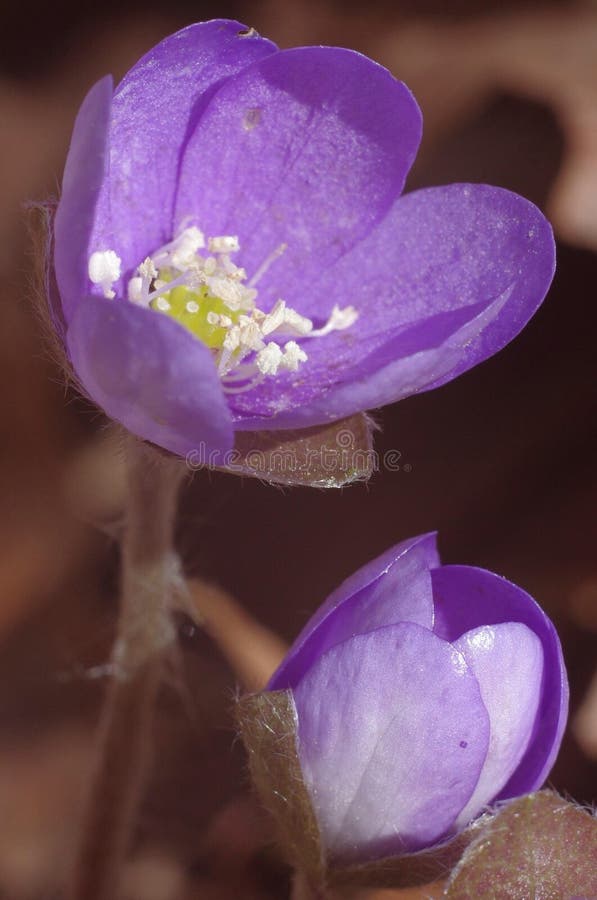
(423, 693)
(232, 251)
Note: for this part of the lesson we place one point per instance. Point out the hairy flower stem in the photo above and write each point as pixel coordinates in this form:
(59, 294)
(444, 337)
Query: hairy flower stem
(145, 635)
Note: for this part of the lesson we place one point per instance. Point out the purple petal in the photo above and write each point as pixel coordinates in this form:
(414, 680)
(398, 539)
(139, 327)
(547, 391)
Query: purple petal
(150, 374)
(507, 661)
(392, 738)
(83, 177)
(155, 108)
(466, 598)
(309, 147)
(446, 280)
(395, 587)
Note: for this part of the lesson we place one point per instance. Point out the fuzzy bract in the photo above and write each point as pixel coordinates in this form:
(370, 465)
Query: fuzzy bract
(233, 250)
(423, 694)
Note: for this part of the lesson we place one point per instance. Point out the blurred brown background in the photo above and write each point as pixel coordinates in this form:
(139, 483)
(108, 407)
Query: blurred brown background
(501, 461)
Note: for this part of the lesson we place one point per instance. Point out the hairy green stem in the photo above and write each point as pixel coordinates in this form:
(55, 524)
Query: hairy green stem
(145, 636)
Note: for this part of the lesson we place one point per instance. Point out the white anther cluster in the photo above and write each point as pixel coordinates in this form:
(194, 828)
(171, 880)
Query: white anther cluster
(256, 344)
(104, 269)
(271, 357)
(186, 266)
(249, 335)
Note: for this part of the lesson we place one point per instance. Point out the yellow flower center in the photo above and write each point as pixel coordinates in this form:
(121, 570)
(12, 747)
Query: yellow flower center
(199, 311)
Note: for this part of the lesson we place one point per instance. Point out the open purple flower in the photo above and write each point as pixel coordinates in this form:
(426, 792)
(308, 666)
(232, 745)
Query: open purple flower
(232, 251)
(423, 693)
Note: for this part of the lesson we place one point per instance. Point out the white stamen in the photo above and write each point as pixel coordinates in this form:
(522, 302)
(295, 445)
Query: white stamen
(210, 265)
(181, 246)
(193, 307)
(268, 360)
(267, 263)
(293, 356)
(293, 321)
(162, 304)
(241, 389)
(274, 319)
(135, 291)
(338, 321)
(288, 320)
(250, 335)
(164, 287)
(232, 293)
(186, 246)
(147, 269)
(232, 339)
(225, 243)
(212, 318)
(104, 269)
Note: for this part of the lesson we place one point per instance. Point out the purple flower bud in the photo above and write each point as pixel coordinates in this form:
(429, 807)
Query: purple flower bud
(233, 252)
(423, 694)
